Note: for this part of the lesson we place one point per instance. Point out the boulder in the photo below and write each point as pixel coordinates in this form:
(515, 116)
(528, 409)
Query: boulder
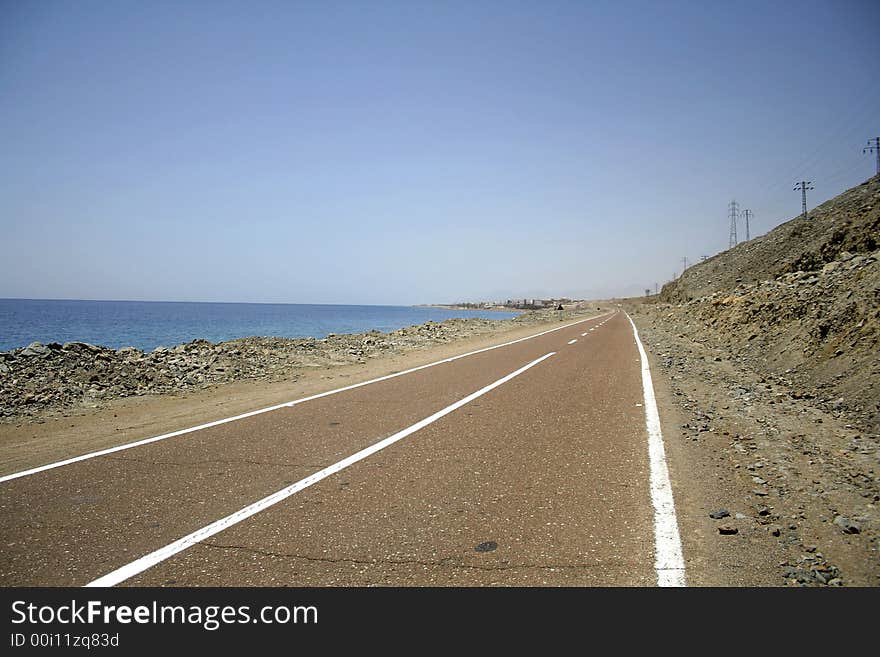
(35, 349)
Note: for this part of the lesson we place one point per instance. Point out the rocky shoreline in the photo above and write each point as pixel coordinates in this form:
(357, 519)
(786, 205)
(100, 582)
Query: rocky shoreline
(45, 380)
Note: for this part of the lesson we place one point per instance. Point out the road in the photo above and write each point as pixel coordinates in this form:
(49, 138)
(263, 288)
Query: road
(527, 464)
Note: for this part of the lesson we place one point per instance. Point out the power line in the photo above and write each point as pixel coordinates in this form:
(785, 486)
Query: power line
(840, 175)
(732, 212)
(746, 214)
(845, 126)
(802, 185)
(815, 157)
(874, 145)
(840, 128)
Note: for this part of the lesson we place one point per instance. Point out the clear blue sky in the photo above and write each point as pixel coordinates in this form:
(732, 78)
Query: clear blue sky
(413, 152)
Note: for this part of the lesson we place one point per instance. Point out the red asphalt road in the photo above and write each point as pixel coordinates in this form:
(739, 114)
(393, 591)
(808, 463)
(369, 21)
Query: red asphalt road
(550, 469)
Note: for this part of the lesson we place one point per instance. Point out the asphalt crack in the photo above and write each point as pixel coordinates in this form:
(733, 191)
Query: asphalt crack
(446, 562)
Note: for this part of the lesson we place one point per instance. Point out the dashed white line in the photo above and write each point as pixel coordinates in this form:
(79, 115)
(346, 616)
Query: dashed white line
(150, 560)
(572, 341)
(668, 559)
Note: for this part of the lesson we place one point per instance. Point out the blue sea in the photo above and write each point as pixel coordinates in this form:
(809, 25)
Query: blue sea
(149, 324)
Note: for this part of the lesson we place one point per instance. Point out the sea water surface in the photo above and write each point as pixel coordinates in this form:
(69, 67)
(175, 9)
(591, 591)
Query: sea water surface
(149, 324)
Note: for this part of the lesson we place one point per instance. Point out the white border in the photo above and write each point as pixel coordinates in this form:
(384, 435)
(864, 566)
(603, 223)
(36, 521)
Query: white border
(668, 558)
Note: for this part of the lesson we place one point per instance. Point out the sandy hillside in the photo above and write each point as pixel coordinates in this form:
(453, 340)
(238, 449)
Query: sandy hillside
(770, 350)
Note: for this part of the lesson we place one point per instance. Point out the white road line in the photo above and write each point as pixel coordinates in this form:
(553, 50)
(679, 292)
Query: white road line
(583, 335)
(572, 341)
(165, 436)
(150, 560)
(668, 559)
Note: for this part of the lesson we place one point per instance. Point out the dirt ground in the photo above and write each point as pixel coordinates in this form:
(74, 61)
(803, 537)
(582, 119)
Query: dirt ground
(800, 483)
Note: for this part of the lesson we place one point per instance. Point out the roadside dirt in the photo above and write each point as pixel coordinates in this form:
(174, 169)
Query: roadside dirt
(799, 482)
(768, 353)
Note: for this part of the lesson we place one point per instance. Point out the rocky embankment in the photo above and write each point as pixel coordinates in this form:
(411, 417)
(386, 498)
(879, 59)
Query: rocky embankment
(772, 350)
(40, 380)
(849, 222)
(816, 333)
(800, 304)
(803, 477)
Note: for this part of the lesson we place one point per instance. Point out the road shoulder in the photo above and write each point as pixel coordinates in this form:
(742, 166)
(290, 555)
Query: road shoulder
(784, 471)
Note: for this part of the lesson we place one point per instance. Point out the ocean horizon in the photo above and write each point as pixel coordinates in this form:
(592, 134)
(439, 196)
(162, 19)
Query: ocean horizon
(146, 325)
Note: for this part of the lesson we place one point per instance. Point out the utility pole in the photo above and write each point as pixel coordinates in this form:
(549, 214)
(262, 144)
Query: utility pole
(733, 211)
(874, 146)
(802, 185)
(655, 288)
(684, 262)
(747, 214)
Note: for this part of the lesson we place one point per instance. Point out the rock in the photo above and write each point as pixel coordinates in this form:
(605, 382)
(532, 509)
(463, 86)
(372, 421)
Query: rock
(846, 525)
(80, 346)
(719, 514)
(726, 530)
(775, 530)
(35, 349)
(798, 574)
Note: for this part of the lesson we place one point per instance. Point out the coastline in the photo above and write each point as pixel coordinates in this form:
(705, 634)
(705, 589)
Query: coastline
(443, 306)
(40, 382)
(146, 325)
